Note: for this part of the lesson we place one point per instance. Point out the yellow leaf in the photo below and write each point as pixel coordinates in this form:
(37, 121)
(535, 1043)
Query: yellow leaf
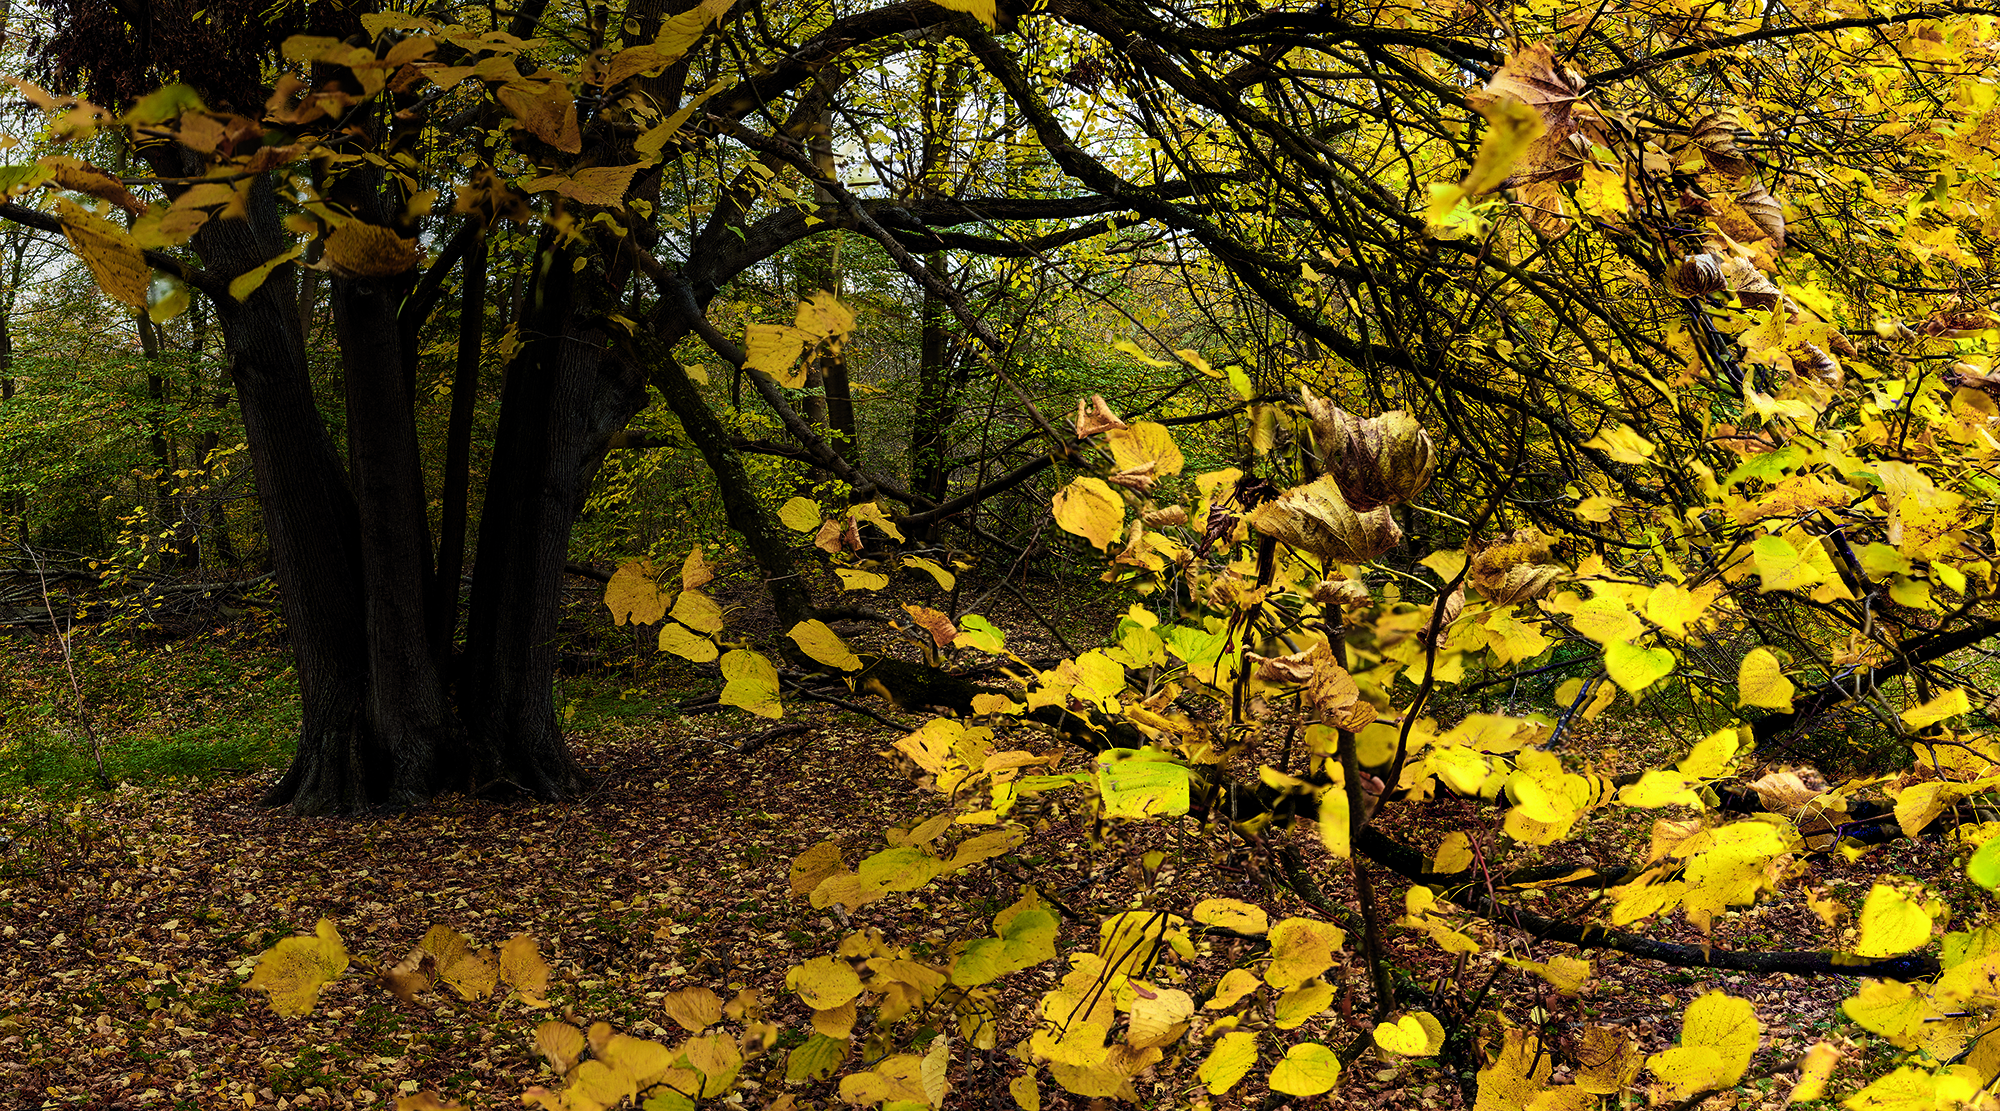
(1301, 949)
(1515, 1074)
(604, 186)
(1454, 853)
(1233, 914)
(1950, 704)
(1235, 1053)
(1814, 1072)
(1302, 1004)
(822, 316)
(694, 1009)
(687, 645)
(547, 110)
(1713, 755)
(986, 11)
(698, 611)
(1891, 923)
(1336, 825)
(820, 642)
(1622, 444)
(560, 1044)
(1027, 1094)
(851, 579)
(1089, 508)
(1607, 1060)
(1760, 682)
(1511, 127)
(121, 270)
(1719, 1035)
(248, 282)
(945, 579)
(522, 967)
(1897, 1011)
(814, 865)
(358, 250)
(774, 349)
(1417, 1035)
(695, 571)
(1635, 668)
(824, 982)
(1160, 1015)
(1144, 444)
(634, 595)
(801, 515)
(1307, 1070)
(293, 971)
(752, 683)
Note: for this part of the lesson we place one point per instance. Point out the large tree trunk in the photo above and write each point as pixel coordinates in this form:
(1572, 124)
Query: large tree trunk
(312, 522)
(565, 395)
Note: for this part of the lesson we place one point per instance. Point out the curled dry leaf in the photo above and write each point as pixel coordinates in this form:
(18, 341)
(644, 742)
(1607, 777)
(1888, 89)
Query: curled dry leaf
(942, 631)
(1161, 518)
(1094, 416)
(1764, 211)
(1750, 285)
(1696, 276)
(1314, 518)
(411, 976)
(1376, 461)
(1715, 136)
(1340, 592)
(1517, 568)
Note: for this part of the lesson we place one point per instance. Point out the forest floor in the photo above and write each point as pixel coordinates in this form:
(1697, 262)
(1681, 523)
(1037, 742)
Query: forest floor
(130, 922)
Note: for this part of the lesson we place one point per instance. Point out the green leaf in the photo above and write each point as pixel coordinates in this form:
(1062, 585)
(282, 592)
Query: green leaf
(975, 631)
(162, 105)
(1309, 1069)
(1027, 939)
(1984, 867)
(1635, 668)
(1234, 1055)
(816, 1059)
(1141, 783)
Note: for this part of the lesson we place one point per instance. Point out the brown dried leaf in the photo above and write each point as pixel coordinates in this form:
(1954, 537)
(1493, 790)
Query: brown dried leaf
(1715, 136)
(522, 967)
(560, 1044)
(411, 976)
(693, 1009)
(547, 110)
(1764, 211)
(1094, 416)
(942, 631)
(79, 176)
(358, 250)
(1316, 519)
(108, 250)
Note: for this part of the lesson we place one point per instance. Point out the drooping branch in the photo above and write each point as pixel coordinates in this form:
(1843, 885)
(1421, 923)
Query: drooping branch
(1407, 862)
